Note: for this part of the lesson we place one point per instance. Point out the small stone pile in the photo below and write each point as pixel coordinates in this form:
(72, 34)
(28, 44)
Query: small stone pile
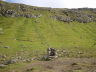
(51, 53)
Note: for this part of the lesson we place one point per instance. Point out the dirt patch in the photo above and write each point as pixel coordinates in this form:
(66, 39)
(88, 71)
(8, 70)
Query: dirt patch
(62, 65)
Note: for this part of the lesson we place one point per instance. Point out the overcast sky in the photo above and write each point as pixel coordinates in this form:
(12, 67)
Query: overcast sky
(58, 3)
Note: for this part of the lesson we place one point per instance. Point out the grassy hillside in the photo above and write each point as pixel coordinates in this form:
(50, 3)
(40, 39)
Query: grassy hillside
(27, 31)
(32, 36)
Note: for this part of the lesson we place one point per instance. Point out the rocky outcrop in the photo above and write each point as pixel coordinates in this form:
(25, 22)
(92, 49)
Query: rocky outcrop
(12, 13)
(18, 10)
(62, 18)
(82, 15)
(84, 19)
(28, 15)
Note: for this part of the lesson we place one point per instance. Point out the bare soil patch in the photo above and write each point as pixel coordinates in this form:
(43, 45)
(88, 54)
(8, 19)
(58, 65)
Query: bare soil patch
(62, 65)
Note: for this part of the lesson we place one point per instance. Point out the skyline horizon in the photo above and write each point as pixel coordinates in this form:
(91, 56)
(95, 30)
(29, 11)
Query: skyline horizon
(51, 4)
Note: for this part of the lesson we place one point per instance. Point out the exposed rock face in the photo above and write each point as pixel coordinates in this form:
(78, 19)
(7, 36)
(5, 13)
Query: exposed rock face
(82, 15)
(12, 13)
(22, 8)
(27, 15)
(83, 19)
(20, 11)
(62, 18)
(79, 15)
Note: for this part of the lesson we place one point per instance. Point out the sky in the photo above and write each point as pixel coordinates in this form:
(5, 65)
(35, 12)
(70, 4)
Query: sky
(58, 3)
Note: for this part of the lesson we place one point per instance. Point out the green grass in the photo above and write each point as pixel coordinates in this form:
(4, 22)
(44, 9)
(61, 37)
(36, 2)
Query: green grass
(30, 36)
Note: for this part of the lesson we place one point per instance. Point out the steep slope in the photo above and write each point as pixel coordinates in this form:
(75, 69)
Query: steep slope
(28, 31)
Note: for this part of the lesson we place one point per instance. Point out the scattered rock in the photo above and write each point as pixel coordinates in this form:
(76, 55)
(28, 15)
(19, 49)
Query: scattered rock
(33, 59)
(7, 47)
(22, 8)
(83, 19)
(45, 58)
(19, 58)
(2, 66)
(3, 56)
(77, 15)
(80, 52)
(13, 13)
(8, 13)
(28, 60)
(12, 61)
(62, 18)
